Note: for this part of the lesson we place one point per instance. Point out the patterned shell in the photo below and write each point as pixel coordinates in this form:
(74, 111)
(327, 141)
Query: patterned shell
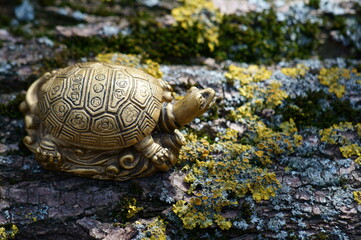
(100, 105)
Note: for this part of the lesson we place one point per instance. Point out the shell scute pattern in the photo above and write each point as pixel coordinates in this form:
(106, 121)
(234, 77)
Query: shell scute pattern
(103, 105)
(120, 90)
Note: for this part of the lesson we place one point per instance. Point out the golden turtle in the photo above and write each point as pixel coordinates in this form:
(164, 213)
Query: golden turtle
(107, 121)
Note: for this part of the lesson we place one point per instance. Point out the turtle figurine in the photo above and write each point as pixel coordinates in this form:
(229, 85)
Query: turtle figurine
(107, 121)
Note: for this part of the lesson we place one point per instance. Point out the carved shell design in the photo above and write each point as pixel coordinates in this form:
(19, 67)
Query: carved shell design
(100, 105)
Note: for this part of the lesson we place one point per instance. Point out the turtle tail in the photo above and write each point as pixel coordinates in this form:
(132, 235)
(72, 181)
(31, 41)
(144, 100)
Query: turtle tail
(28, 106)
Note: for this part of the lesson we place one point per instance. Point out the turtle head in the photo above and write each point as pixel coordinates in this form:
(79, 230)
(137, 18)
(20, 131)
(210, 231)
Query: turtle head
(193, 104)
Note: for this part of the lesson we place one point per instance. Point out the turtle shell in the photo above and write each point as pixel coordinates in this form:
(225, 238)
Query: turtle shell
(100, 105)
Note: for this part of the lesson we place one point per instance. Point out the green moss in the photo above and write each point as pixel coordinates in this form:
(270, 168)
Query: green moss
(47, 2)
(292, 237)
(314, 4)
(344, 182)
(4, 20)
(246, 211)
(260, 37)
(57, 19)
(78, 47)
(59, 60)
(338, 24)
(148, 38)
(162, 44)
(312, 110)
(333, 22)
(100, 9)
(11, 109)
(320, 236)
(20, 32)
(254, 37)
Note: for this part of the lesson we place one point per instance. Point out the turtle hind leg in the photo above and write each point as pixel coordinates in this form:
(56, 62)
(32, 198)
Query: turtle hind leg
(47, 153)
(161, 157)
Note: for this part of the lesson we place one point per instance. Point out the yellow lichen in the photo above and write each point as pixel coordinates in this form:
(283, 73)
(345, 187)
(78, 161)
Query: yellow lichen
(222, 222)
(231, 135)
(337, 135)
(30, 216)
(190, 216)
(236, 164)
(200, 151)
(299, 71)
(331, 77)
(274, 95)
(289, 127)
(8, 232)
(256, 96)
(253, 73)
(156, 230)
(352, 150)
(131, 60)
(132, 208)
(261, 190)
(202, 15)
(297, 139)
(357, 196)
(153, 68)
(218, 175)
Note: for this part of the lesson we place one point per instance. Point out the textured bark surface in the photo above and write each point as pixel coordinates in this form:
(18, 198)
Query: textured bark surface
(315, 200)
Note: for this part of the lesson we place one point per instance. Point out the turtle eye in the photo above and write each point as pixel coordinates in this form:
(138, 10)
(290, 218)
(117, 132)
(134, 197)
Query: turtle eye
(205, 95)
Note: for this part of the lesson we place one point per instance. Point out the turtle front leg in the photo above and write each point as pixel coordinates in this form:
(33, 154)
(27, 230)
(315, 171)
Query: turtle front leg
(161, 157)
(172, 141)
